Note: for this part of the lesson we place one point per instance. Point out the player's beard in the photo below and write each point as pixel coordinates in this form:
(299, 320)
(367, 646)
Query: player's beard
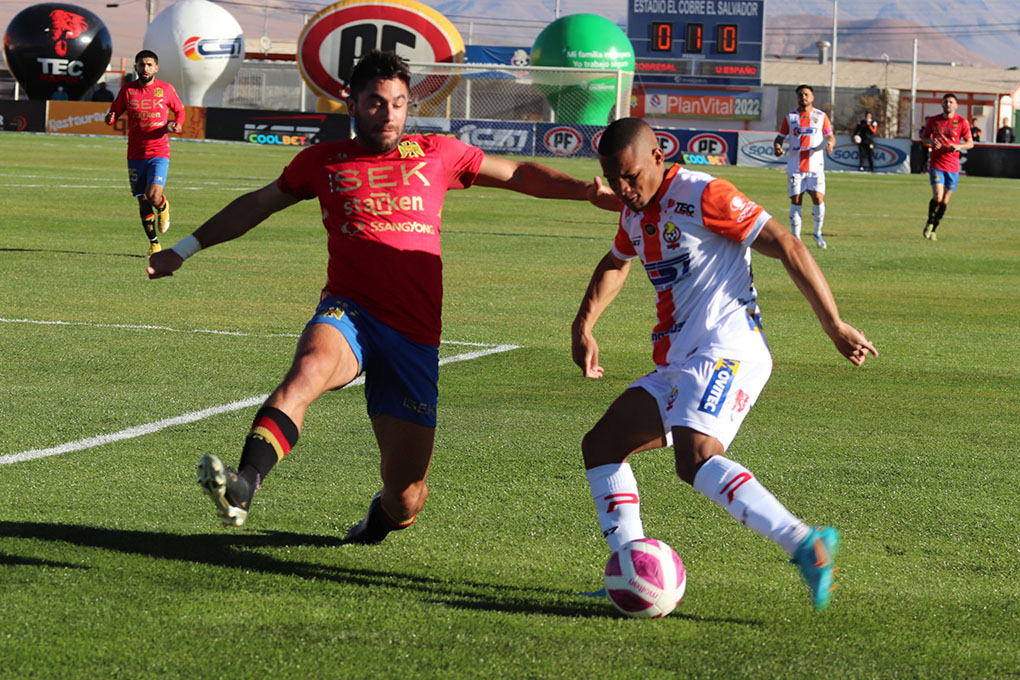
(376, 137)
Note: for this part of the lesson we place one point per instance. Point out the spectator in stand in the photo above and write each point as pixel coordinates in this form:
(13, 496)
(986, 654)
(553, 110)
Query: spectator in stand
(1005, 135)
(102, 93)
(60, 95)
(975, 131)
(864, 137)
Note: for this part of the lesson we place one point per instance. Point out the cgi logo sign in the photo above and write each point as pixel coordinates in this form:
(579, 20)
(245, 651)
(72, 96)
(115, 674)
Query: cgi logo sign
(562, 141)
(495, 140)
(669, 144)
(707, 144)
(335, 38)
(196, 48)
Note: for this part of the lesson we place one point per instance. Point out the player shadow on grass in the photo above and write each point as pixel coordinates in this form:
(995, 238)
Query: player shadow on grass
(69, 252)
(240, 551)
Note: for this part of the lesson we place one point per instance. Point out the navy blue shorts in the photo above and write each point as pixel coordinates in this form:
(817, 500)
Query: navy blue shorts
(401, 375)
(142, 173)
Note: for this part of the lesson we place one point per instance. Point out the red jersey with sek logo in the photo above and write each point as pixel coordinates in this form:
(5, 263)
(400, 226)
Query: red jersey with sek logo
(148, 114)
(954, 129)
(694, 241)
(382, 215)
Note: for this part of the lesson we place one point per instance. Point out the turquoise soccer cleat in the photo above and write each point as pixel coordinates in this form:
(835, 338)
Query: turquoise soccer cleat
(814, 558)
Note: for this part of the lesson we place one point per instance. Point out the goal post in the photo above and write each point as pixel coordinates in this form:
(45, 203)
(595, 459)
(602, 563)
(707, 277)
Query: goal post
(532, 94)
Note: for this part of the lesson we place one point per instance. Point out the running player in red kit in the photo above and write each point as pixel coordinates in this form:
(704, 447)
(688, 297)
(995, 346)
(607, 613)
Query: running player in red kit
(947, 133)
(148, 103)
(381, 196)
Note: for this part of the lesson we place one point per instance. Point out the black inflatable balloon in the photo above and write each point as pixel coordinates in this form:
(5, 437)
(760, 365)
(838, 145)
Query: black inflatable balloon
(55, 44)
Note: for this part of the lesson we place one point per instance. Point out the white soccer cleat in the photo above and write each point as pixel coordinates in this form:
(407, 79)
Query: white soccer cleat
(819, 240)
(222, 485)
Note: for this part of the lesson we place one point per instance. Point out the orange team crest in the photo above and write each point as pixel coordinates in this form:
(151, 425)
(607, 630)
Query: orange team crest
(159, 92)
(410, 149)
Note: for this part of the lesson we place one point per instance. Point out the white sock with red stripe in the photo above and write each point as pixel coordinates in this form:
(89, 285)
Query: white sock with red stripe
(614, 490)
(818, 215)
(729, 484)
(795, 219)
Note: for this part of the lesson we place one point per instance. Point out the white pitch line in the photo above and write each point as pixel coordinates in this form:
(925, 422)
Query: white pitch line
(148, 327)
(194, 416)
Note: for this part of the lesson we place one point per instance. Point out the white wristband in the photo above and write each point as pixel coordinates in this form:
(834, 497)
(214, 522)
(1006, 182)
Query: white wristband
(187, 246)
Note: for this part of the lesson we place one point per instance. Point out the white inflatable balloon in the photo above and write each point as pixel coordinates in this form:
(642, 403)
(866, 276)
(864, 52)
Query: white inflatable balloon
(200, 47)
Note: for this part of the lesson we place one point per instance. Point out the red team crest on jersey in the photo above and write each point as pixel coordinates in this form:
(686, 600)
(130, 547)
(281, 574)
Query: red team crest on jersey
(65, 26)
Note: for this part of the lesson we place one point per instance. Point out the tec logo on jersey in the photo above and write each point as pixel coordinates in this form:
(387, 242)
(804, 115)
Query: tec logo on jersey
(718, 386)
(680, 208)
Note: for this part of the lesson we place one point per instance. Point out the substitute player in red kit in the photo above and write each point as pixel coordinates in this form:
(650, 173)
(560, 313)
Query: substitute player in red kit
(148, 103)
(947, 134)
(381, 196)
(693, 235)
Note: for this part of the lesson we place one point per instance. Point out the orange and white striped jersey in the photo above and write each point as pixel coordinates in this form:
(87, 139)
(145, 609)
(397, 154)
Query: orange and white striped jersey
(807, 133)
(694, 241)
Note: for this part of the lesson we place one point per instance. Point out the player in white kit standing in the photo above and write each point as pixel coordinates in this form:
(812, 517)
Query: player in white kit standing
(810, 133)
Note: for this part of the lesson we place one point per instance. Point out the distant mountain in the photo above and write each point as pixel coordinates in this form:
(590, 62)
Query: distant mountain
(976, 32)
(987, 28)
(868, 39)
(963, 31)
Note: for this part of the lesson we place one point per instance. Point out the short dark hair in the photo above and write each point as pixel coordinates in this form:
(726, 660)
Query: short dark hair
(378, 64)
(620, 134)
(804, 87)
(947, 95)
(146, 53)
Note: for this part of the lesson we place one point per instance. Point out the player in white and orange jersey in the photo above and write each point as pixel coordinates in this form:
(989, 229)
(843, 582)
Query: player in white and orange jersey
(810, 132)
(693, 234)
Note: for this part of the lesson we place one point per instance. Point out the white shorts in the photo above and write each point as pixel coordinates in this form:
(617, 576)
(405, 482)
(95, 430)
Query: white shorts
(712, 391)
(806, 181)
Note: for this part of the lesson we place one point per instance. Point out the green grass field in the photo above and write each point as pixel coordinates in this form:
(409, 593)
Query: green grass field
(113, 565)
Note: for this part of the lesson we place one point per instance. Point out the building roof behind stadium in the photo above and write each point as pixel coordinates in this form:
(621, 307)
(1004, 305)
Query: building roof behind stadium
(873, 73)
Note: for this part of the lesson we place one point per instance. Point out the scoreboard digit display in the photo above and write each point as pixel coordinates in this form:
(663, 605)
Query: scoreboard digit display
(697, 42)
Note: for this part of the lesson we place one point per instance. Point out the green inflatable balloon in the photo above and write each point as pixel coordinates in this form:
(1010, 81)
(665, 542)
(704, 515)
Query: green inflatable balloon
(583, 41)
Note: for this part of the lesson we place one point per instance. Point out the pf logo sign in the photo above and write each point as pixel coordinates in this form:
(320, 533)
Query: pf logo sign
(335, 38)
(707, 144)
(562, 140)
(668, 143)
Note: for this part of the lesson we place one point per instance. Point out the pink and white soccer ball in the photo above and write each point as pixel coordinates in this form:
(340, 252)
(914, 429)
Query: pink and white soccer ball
(645, 579)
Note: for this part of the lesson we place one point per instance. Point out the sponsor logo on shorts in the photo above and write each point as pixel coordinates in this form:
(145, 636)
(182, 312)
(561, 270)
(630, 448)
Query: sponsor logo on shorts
(672, 397)
(419, 407)
(719, 386)
(740, 403)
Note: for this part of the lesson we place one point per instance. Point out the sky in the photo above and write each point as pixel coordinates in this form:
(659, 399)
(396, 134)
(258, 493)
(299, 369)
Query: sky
(988, 27)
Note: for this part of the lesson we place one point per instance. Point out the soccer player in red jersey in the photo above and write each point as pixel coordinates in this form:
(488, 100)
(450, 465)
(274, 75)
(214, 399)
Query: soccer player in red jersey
(148, 103)
(381, 196)
(947, 134)
(693, 234)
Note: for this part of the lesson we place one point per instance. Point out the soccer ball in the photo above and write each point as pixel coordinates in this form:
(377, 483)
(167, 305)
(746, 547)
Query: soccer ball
(645, 579)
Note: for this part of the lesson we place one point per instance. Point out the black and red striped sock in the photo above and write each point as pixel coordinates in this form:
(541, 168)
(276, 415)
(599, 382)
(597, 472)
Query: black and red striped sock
(273, 434)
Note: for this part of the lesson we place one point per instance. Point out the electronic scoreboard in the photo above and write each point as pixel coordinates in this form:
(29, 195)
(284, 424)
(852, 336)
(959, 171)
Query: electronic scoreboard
(697, 42)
